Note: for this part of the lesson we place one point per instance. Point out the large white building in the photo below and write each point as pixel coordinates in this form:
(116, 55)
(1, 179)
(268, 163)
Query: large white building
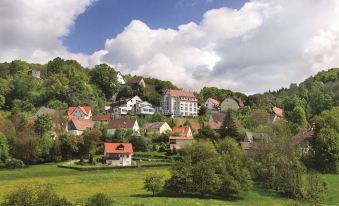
(179, 103)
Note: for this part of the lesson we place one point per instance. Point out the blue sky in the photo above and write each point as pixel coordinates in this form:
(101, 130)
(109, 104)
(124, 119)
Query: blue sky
(105, 19)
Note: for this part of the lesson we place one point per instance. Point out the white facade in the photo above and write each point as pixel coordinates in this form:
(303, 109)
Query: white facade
(143, 108)
(211, 104)
(179, 105)
(179, 143)
(118, 159)
(78, 113)
(135, 129)
(75, 132)
(123, 109)
(120, 78)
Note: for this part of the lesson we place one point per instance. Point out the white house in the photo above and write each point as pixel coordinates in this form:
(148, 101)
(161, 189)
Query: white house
(156, 127)
(131, 124)
(278, 113)
(120, 78)
(118, 154)
(124, 106)
(80, 112)
(143, 108)
(180, 142)
(35, 73)
(77, 126)
(179, 103)
(212, 104)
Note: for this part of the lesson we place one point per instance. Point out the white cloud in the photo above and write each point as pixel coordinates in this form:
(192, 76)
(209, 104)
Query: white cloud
(265, 45)
(31, 30)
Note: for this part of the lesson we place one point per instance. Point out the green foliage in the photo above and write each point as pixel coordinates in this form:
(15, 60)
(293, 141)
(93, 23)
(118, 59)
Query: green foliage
(68, 146)
(91, 138)
(153, 183)
(315, 189)
(4, 148)
(33, 196)
(230, 126)
(99, 199)
(57, 104)
(43, 124)
(139, 144)
(105, 77)
(218, 94)
(207, 132)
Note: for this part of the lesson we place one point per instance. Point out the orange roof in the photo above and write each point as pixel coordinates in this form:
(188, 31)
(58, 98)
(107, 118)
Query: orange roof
(84, 109)
(82, 124)
(278, 111)
(213, 101)
(180, 93)
(118, 148)
(102, 117)
(181, 138)
(183, 130)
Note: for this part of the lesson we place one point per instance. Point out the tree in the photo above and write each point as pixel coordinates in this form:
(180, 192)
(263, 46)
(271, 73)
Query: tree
(43, 124)
(4, 148)
(203, 110)
(68, 146)
(139, 144)
(105, 77)
(91, 138)
(154, 183)
(208, 133)
(235, 177)
(230, 126)
(315, 188)
(99, 199)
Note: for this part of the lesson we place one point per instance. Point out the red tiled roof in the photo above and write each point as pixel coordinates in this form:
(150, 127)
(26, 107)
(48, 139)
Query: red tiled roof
(121, 123)
(134, 80)
(183, 130)
(213, 101)
(181, 138)
(195, 125)
(278, 111)
(180, 93)
(102, 117)
(84, 109)
(126, 148)
(82, 124)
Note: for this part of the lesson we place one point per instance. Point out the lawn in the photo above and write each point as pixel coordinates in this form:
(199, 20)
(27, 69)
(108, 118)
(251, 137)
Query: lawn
(125, 186)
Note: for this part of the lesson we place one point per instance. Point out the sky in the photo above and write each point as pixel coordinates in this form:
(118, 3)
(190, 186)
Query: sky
(247, 46)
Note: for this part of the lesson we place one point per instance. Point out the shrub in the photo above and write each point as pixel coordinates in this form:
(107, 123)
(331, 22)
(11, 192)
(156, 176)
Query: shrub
(14, 163)
(99, 199)
(153, 183)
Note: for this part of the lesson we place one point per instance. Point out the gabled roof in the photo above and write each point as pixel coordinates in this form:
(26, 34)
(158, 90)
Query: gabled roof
(181, 138)
(135, 80)
(218, 116)
(85, 109)
(183, 130)
(45, 110)
(240, 102)
(153, 125)
(213, 101)
(194, 122)
(278, 111)
(121, 123)
(101, 117)
(82, 124)
(118, 148)
(180, 93)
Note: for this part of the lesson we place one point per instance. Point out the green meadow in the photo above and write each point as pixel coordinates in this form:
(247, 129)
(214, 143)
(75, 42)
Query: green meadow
(125, 186)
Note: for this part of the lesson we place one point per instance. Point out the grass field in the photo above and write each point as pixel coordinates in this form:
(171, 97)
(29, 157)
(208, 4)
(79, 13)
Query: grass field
(125, 186)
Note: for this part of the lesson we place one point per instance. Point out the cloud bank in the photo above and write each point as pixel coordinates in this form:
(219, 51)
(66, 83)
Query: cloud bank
(264, 45)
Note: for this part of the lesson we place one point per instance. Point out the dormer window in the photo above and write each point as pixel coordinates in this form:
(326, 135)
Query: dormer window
(120, 147)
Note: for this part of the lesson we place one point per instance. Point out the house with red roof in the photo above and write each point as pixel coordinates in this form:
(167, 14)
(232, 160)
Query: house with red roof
(126, 124)
(278, 113)
(216, 119)
(101, 118)
(80, 112)
(184, 131)
(179, 103)
(212, 104)
(77, 126)
(118, 154)
(180, 142)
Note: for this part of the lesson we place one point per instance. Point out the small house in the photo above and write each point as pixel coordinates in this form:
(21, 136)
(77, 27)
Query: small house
(184, 131)
(80, 112)
(180, 142)
(101, 118)
(231, 103)
(118, 154)
(156, 127)
(212, 104)
(35, 73)
(120, 78)
(127, 124)
(216, 119)
(77, 126)
(278, 113)
(143, 108)
(136, 81)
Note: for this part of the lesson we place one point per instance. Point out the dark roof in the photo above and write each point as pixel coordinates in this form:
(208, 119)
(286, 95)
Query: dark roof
(135, 80)
(153, 125)
(121, 123)
(218, 116)
(101, 117)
